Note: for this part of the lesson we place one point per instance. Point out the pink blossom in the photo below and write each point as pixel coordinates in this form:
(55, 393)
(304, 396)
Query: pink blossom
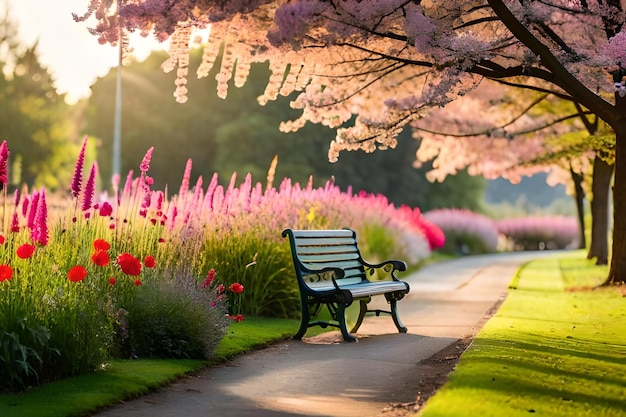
(90, 188)
(145, 162)
(78, 171)
(4, 158)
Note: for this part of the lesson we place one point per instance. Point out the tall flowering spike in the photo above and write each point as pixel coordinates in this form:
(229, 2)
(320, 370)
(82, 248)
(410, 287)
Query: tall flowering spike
(90, 188)
(32, 210)
(4, 161)
(78, 171)
(145, 162)
(41, 220)
(184, 185)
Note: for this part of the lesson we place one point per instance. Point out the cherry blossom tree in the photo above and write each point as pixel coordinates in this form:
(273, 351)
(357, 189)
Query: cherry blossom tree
(501, 132)
(389, 62)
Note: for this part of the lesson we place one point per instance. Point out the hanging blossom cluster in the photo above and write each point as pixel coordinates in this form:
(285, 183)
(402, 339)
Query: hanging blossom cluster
(387, 62)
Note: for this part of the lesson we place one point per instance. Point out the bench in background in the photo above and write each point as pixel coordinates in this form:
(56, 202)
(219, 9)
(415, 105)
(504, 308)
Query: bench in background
(332, 273)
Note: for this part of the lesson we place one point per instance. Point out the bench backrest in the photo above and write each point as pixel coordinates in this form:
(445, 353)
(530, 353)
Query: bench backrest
(313, 250)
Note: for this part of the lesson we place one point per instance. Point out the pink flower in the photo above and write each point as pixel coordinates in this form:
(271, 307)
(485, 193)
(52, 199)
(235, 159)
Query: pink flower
(78, 171)
(4, 158)
(145, 162)
(90, 188)
(210, 276)
(40, 230)
(106, 210)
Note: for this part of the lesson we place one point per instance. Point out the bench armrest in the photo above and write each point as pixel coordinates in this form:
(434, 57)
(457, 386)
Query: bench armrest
(390, 267)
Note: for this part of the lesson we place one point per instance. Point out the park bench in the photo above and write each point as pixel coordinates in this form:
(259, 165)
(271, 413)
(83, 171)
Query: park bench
(332, 273)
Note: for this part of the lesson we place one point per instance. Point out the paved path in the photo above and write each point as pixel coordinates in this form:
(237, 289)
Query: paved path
(322, 376)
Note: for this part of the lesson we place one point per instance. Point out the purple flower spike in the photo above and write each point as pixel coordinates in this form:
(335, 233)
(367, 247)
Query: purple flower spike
(78, 170)
(145, 162)
(4, 160)
(41, 220)
(90, 188)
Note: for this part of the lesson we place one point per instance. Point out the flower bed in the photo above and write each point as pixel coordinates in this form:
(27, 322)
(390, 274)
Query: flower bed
(139, 273)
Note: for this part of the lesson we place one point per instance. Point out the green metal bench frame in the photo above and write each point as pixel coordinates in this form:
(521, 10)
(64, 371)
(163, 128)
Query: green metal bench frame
(332, 273)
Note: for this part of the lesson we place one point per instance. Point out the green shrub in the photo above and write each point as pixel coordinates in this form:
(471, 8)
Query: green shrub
(175, 318)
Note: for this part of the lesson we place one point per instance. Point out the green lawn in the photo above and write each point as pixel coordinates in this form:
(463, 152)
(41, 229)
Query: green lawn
(556, 347)
(124, 379)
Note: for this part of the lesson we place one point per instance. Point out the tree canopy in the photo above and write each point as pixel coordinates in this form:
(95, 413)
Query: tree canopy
(389, 62)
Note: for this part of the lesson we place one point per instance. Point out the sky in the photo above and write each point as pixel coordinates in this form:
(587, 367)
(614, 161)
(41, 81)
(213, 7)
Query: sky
(66, 48)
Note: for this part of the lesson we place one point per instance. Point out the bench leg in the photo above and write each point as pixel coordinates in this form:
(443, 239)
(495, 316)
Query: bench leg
(362, 312)
(341, 318)
(396, 317)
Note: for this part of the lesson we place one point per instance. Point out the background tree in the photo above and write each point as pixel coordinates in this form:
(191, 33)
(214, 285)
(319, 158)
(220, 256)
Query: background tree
(35, 120)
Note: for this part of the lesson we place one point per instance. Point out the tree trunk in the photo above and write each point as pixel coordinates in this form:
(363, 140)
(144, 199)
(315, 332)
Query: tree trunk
(600, 188)
(579, 196)
(617, 271)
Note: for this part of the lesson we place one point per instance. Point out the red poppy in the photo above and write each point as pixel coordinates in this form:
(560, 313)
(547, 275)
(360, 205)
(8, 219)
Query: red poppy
(129, 264)
(149, 261)
(237, 288)
(112, 281)
(77, 273)
(161, 240)
(2, 240)
(100, 258)
(26, 251)
(6, 273)
(137, 282)
(237, 318)
(101, 244)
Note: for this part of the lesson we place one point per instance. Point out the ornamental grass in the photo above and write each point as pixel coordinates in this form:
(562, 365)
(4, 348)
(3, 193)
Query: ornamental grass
(139, 273)
(540, 232)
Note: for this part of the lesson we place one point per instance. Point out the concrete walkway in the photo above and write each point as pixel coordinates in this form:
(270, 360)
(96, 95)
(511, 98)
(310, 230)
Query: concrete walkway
(323, 376)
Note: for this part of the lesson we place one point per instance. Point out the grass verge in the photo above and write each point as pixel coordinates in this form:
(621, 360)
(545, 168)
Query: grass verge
(556, 347)
(124, 379)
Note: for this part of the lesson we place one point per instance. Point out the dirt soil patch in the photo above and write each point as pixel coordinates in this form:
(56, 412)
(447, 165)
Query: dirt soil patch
(435, 374)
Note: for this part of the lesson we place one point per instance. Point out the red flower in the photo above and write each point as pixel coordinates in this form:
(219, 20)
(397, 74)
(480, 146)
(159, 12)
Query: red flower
(100, 258)
(210, 276)
(112, 281)
(237, 318)
(149, 262)
(101, 244)
(237, 288)
(26, 251)
(129, 264)
(2, 240)
(137, 282)
(77, 273)
(161, 240)
(6, 273)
